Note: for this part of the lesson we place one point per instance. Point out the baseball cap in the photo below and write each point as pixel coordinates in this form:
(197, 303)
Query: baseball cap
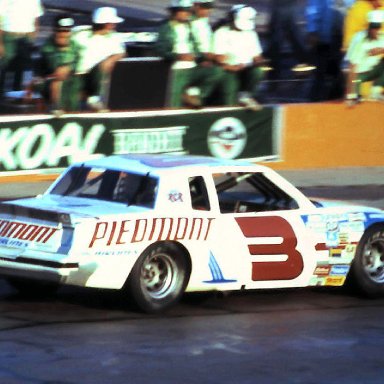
(244, 17)
(63, 23)
(106, 15)
(204, 3)
(182, 4)
(375, 18)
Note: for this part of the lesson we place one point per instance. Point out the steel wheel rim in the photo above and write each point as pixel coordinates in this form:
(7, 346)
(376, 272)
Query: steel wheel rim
(159, 275)
(373, 259)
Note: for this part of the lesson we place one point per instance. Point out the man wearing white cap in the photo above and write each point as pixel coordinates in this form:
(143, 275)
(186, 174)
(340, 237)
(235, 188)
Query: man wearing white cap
(239, 53)
(100, 49)
(365, 56)
(177, 44)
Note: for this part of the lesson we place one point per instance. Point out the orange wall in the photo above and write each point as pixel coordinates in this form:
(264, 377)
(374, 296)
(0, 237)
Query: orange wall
(328, 135)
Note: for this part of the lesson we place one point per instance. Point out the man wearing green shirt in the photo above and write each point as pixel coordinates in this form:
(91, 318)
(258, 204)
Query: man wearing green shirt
(59, 59)
(177, 44)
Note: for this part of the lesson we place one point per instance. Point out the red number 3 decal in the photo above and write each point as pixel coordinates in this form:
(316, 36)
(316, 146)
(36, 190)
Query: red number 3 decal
(274, 226)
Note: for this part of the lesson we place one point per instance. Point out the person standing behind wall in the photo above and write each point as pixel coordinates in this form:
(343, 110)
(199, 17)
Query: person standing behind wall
(356, 19)
(237, 48)
(284, 26)
(325, 29)
(100, 49)
(177, 44)
(19, 26)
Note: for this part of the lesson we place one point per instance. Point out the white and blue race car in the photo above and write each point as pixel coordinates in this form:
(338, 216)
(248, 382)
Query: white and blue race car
(157, 226)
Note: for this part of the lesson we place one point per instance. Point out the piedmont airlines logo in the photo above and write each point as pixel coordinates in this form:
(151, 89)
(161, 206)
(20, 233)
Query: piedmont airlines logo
(227, 138)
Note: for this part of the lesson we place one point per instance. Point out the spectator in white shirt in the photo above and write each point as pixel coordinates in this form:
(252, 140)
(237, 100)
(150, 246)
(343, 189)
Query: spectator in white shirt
(238, 51)
(100, 49)
(19, 23)
(365, 59)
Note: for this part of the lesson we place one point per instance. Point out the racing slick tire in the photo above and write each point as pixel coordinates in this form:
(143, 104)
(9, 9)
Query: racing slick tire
(159, 277)
(33, 288)
(367, 270)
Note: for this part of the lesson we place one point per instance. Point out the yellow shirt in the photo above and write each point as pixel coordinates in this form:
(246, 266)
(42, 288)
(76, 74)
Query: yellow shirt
(356, 20)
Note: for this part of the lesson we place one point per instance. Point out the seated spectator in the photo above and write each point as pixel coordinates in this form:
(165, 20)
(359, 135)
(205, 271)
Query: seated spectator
(176, 44)
(238, 51)
(365, 58)
(56, 68)
(202, 30)
(356, 18)
(100, 49)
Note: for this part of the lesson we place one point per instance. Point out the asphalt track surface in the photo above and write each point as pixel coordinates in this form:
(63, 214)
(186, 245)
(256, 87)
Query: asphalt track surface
(316, 335)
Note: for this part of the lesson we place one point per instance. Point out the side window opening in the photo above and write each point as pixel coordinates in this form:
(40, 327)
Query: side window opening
(199, 193)
(250, 192)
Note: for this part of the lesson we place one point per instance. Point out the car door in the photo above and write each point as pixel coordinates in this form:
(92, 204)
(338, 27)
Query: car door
(264, 241)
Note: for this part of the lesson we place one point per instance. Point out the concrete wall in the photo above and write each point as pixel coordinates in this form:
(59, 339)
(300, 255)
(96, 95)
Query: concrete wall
(328, 135)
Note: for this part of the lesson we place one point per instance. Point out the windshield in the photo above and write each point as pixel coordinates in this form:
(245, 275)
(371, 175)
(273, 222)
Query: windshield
(108, 185)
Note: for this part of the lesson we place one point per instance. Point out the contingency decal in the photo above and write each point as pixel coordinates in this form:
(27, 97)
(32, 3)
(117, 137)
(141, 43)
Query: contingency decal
(337, 233)
(331, 275)
(175, 197)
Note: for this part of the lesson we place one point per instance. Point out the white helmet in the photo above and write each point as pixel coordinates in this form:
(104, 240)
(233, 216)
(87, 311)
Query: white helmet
(244, 17)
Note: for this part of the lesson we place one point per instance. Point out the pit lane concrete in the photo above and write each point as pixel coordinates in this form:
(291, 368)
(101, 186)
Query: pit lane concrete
(301, 336)
(286, 336)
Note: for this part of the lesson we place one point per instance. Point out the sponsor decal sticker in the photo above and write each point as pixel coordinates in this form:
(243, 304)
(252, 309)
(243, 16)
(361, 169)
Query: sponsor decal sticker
(175, 197)
(339, 270)
(322, 270)
(335, 281)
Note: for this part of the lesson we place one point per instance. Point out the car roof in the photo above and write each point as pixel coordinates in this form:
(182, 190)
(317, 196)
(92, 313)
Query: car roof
(153, 163)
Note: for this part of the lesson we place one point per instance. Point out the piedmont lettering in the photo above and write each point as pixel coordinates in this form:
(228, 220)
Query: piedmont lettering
(26, 232)
(107, 233)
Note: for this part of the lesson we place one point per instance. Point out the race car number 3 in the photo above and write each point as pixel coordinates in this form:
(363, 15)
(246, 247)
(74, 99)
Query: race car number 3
(272, 227)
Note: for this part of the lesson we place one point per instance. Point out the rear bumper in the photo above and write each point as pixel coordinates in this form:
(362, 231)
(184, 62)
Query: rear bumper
(37, 269)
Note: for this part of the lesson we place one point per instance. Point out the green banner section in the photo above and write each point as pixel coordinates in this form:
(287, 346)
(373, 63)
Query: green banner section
(39, 143)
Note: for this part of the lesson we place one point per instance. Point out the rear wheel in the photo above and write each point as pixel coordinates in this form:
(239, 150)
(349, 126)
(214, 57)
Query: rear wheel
(367, 271)
(159, 277)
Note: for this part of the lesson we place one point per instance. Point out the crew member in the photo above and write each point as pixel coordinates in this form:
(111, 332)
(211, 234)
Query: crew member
(177, 44)
(100, 49)
(238, 51)
(365, 57)
(57, 66)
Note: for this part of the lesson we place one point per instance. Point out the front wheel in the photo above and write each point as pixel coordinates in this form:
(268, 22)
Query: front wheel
(367, 271)
(159, 277)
